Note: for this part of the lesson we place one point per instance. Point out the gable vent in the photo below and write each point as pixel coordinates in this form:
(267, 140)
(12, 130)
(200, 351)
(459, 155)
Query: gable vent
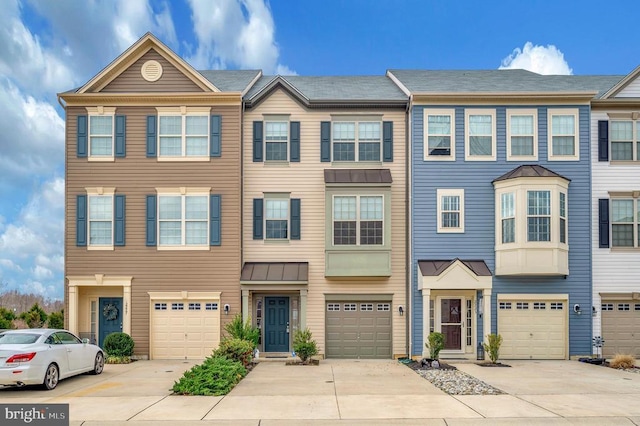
(151, 71)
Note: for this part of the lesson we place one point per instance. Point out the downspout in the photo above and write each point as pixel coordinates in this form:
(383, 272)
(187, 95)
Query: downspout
(408, 224)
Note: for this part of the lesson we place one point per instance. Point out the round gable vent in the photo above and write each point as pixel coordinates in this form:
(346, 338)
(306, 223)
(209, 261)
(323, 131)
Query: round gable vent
(151, 70)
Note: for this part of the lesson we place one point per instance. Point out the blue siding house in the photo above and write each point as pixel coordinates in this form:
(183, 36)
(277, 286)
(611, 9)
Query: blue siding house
(500, 211)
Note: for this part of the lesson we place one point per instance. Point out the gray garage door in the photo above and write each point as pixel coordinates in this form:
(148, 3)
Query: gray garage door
(620, 328)
(358, 329)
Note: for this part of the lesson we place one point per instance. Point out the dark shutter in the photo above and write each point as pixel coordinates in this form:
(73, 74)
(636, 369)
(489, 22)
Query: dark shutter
(387, 141)
(81, 150)
(295, 142)
(121, 126)
(81, 220)
(257, 218)
(151, 220)
(603, 140)
(257, 141)
(603, 222)
(152, 131)
(214, 223)
(295, 218)
(120, 207)
(216, 134)
(325, 141)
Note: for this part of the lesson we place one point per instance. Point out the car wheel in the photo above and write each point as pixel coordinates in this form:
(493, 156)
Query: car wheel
(99, 364)
(51, 377)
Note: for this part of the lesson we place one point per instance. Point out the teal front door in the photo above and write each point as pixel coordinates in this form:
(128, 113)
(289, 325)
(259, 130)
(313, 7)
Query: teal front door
(110, 314)
(276, 330)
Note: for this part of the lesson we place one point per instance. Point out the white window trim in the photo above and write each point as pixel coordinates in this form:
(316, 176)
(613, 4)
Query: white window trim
(450, 192)
(499, 229)
(522, 112)
(288, 128)
(101, 111)
(425, 142)
(636, 222)
(277, 197)
(635, 132)
(100, 192)
(184, 111)
(358, 220)
(467, 135)
(563, 111)
(356, 140)
(183, 192)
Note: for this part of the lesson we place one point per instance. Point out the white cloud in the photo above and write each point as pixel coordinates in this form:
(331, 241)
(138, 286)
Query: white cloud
(547, 60)
(235, 33)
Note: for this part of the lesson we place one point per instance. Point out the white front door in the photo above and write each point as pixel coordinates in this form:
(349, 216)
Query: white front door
(450, 314)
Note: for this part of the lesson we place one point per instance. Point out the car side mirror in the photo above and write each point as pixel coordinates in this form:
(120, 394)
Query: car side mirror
(85, 340)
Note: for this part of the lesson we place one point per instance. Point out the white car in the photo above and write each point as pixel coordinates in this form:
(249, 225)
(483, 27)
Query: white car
(41, 356)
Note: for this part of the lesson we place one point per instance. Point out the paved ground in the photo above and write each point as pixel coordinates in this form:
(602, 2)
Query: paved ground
(349, 393)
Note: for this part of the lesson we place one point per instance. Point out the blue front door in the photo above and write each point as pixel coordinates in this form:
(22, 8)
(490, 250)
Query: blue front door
(110, 314)
(276, 330)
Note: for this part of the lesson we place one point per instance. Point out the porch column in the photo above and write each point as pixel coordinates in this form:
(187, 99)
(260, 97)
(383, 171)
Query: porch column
(73, 309)
(426, 317)
(303, 309)
(486, 318)
(126, 320)
(245, 305)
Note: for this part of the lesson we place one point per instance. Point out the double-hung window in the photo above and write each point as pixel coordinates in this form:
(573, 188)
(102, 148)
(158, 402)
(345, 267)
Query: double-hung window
(183, 220)
(624, 222)
(439, 141)
(356, 141)
(522, 134)
(184, 134)
(358, 220)
(563, 218)
(276, 218)
(101, 133)
(100, 215)
(450, 210)
(563, 135)
(508, 217)
(538, 215)
(276, 140)
(625, 140)
(480, 138)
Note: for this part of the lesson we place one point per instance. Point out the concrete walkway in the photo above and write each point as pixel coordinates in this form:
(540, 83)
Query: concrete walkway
(349, 393)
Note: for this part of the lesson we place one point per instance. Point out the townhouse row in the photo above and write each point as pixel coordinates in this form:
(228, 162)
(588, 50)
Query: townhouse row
(372, 210)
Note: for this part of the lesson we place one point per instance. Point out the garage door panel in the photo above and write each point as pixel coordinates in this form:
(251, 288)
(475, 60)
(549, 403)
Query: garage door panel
(620, 328)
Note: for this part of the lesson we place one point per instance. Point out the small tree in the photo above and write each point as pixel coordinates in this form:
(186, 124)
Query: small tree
(244, 331)
(493, 346)
(303, 345)
(56, 319)
(6, 318)
(435, 344)
(35, 317)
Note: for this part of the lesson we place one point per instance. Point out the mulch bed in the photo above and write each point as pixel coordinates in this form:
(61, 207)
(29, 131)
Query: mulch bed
(491, 364)
(418, 365)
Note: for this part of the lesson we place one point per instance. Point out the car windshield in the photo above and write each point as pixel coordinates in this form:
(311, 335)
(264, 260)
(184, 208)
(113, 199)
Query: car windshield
(18, 338)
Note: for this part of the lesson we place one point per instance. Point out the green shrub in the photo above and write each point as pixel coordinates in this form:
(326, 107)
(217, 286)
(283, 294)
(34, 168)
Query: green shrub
(235, 349)
(215, 376)
(110, 359)
(493, 347)
(56, 320)
(35, 317)
(245, 331)
(303, 345)
(435, 344)
(6, 318)
(118, 345)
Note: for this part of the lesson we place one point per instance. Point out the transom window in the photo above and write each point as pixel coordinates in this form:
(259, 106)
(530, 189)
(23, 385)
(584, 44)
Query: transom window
(277, 219)
(508, 217)
(522, 135)
(450, 210)
(356, 141)
(183, 135)
(100, 220)
(538, 215)
(358, 220)
(101, 135)
(563, 134)
(480, 138)
(276, 140)
(624, 222)
(625, 140)
(439, 143)
(183, 220)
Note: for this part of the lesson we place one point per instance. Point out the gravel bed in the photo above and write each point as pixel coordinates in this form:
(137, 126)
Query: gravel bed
(455, 382)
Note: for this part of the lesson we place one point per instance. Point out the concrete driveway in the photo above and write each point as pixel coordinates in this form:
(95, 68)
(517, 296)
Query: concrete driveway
(350, 393)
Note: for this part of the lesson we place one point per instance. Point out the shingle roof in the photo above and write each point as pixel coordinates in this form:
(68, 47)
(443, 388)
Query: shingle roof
(512, 80)
(230, 80)
(275, 271)
(357, 176)
(529, 170)
(433, 268)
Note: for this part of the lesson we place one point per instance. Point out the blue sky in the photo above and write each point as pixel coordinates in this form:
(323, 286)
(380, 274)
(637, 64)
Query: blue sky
(47, 47)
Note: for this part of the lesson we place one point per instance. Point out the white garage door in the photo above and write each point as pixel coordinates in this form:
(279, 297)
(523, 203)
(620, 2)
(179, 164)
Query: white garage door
(620, 328)
(184, 329)
(533, 329)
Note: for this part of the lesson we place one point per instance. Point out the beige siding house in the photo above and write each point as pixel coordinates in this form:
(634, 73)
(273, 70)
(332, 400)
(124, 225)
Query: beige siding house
(324, 229)
(153, 175)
